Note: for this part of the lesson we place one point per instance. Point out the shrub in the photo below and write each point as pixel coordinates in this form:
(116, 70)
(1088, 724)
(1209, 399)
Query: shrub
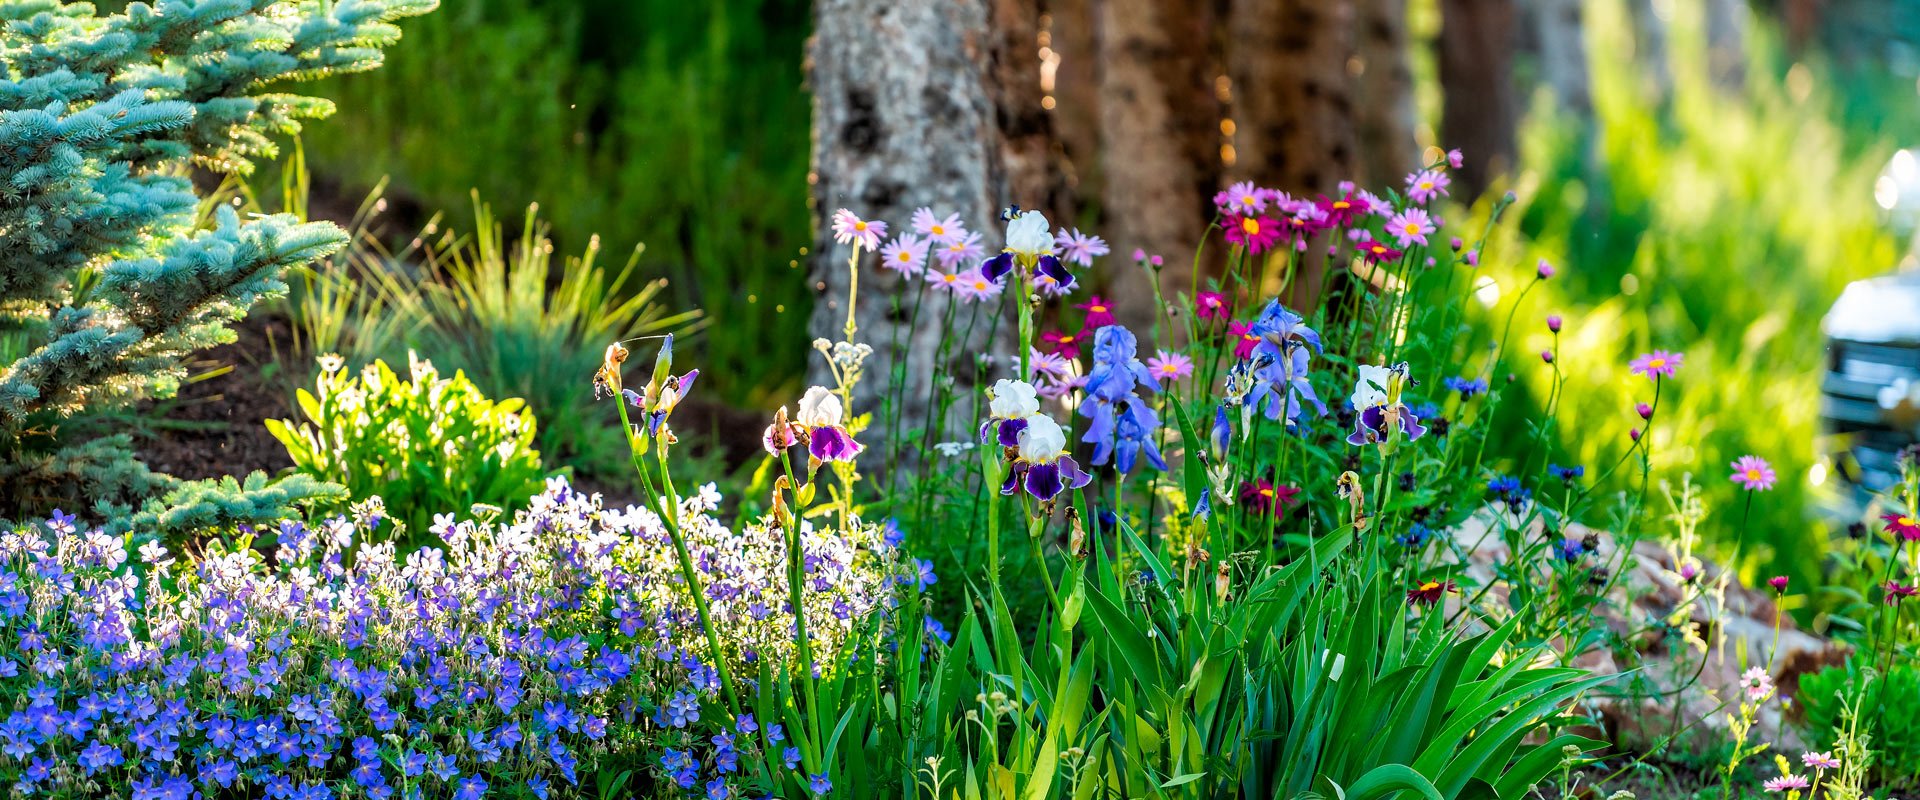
(422, 443)
(104, 282)
(1889, 704)
(514, 662)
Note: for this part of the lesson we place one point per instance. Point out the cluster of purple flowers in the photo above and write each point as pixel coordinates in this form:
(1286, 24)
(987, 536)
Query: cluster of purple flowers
(502, 664)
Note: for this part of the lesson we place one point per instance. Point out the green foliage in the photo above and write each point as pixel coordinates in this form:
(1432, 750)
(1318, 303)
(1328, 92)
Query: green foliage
(671, 123)
(1723, 229)
(195, 509)
(105, 280)
(421, 444)
(1889, 704)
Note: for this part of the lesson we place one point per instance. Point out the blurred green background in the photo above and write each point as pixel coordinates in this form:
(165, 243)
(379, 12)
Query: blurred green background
(1717, 224)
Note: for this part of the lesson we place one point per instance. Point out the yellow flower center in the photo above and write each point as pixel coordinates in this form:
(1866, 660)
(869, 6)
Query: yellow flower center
(906, 255)
(1098, 309)
(1908, 522)
(939, 230)
(1753, 474)
(1656, 363)
(950, 278)
(1426, 184)
(860, 225)
(1248, 337)
(1248, 199)
(1429, 586)
(1266, 492)
(1342, 205)
(1411, 227)
(1250, 225)
(980, 286)
(1169, 368)
(1379, 249)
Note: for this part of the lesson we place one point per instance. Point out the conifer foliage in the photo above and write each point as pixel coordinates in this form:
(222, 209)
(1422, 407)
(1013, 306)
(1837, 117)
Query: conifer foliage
(109, 270)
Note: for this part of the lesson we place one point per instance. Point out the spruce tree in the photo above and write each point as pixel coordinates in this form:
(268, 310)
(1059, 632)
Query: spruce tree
(108, 273)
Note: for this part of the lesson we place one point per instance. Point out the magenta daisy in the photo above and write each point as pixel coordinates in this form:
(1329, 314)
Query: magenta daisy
(1099, 312)
(849, 229)
(964, 249)
(1754, 473)
(1243, 338)
(906, 255)
(1427, 185)
(1410, 227)
(1257, 234)
(941, 230)
(1211, 306)
(1168, 366)
(1080, 248)
(1656, 364)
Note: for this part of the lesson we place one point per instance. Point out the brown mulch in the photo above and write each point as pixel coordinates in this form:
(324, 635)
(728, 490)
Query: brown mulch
(215, 425)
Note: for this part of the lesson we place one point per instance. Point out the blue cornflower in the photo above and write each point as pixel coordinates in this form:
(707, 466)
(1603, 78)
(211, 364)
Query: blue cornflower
(1122, 424)
(1416, 536)
(1566, 474)
(1507, 491)
(1570, 549)
(819, 784)
(1467, 387)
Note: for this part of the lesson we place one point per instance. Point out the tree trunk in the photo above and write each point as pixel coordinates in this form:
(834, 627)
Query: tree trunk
(1293, 109)
(1650, 51)
(1554, 38)
(1030, 154)
(1159, 132)
(907, 113)
(1727, 44)
(1480, 109)
(1383, 93)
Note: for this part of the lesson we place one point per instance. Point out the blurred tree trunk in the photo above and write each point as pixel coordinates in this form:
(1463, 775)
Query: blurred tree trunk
(1293, 106)
(1650, 51)
(1383, 94)
(915, 104)
(1031, 155)
(1480, 109)
(1727, 44)
(1071, 79)
(1159, 123)
(1554, 39)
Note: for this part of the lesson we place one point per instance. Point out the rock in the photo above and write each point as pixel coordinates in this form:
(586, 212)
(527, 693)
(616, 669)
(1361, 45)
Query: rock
(1666, 689)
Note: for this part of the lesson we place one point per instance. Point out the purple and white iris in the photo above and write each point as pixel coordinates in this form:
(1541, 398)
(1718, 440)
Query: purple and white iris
(824, 419)
(1030, 245)
(1043, 468)
(1009, 405)
(1376, 395)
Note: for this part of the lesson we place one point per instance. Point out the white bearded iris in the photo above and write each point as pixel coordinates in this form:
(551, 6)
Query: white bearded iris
(1371, 389)
(1013, 400)
(1042, 441)
(1029, 235)
(820, 408)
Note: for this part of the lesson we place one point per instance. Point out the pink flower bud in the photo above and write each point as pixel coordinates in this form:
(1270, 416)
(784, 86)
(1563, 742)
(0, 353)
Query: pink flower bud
(1456, 244)
(1546, 270)
(1645, 411)
(1139, 254)
(1553, 322)
(1779, 584)
(1455, 159)
(1473, 258)
(1547, 356)
(1634, 434)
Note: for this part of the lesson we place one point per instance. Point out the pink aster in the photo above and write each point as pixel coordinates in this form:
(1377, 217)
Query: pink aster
(962, 250)
(1754, 473)
(1244, 339)
(1902, 525)
(1061, 343)
(1427, 185)
(906, 255)
(948, 280)
(1455, 159)
(1785, 783)
(1257, 234)
(1041, 363)
(1410, 227)
(1211, 306)
(1243, 198)
(1170, 366)
(941, 230)
(1819, 760)
(1099, 312)
(1306, 220)
(1080, 248)
(1373, 204)
(975, 287)
(848, 229)
(1656, 364)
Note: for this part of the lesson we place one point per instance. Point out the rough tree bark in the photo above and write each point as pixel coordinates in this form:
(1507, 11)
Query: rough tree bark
(1159, 131)
(1480, 109)
(1384, 115)
(1293, 105)
(1727, 44)
(909, 108)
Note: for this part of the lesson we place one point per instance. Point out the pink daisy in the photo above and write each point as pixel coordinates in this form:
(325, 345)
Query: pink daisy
(1754, 473)
(1902, 525)
(1819, 760)
(1410, 227)
(1244, 339)
(906, 255)
(941, 231)
(1045, 364)
(1170, 366)
(1656, 364)
(1371, 203)
(948, 280)
(975, 287)
(1427, 185)
(1257, 234)
(1785, 783)
(1242, 198)
(1211, 306)
(1061, 343)
(1099, 312)
(1080, 248)
(965, 249)
(848, 229)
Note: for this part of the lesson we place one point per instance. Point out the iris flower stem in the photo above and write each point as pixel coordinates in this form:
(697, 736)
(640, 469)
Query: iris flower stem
(796, 597)
(671, 519)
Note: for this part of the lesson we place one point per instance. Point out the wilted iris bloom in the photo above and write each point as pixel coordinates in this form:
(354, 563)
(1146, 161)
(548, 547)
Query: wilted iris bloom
(1029, 246)
(1122, 425)
(1280, 357)
(1376, 395)
(1009, 405)
(824, 420)
(1043, 468)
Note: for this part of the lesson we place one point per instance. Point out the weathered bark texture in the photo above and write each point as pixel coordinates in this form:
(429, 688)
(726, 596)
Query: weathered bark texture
(1553, 35)
(1383, 94)
(1074, 51)
(1030, 153)
(1159, 131)
(1292, 103)
(1480, 109)
(1727, 44)
(905, 114)
(1650, 51)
